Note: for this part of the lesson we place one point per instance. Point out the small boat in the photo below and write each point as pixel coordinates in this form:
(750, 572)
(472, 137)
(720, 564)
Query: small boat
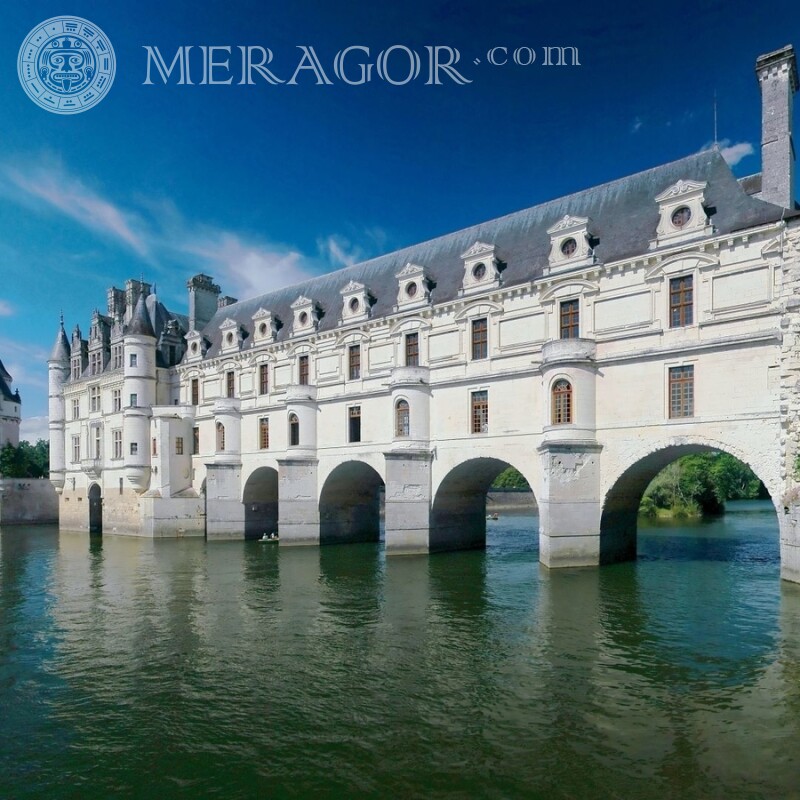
(270, 537)
(493, 516)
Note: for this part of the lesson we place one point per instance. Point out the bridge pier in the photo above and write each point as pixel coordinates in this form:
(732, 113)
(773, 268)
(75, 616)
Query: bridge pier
(570, 504)
(789, 524)
(298, 510)
(408, 502)
(224, 509)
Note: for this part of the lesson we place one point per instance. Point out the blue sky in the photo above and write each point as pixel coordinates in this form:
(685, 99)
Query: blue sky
(264, 185)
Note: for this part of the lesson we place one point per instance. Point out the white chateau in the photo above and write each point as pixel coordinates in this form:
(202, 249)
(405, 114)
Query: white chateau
(587, 341)
(10, 410)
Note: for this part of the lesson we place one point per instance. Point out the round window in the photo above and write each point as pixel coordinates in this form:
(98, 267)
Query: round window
(303, 318)
(194, 347)
(479, 272)
(568, 247)
(411, 289)
(229, 338)
(681, 216)
(354, 305)
(262, 329)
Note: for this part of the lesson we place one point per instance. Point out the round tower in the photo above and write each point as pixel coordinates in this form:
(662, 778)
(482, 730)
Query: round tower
(139, 395)
(57, 376)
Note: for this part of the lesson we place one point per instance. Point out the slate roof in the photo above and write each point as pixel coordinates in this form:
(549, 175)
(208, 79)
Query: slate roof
(5, 389)
(624, 217)
(60, 351)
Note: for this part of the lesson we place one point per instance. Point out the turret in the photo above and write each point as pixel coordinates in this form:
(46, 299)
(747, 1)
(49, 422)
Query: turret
(139, 394)
(57, 376)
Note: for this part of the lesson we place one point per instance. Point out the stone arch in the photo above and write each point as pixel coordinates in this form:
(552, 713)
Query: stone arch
(350, 504)
(95, 509)
(260, 499)
(619, 512)
(458, 513)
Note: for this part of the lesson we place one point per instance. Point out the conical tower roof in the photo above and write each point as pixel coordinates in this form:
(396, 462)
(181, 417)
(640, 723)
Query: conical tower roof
(140, 324)
(60, 351)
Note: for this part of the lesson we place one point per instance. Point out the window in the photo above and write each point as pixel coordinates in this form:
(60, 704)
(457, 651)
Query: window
(569, 319)
(116, 442)
(116, 356)
(561, 403)
(412, 349)
(402, 420)
(354, 424)
(97, 442)
(195, 391)
(302, 370)
(96, 362)
(155, 446)
(354, 354)
(134, 359)
(480, 338)
(480, 412)
(179, 445)
(134, 448)
(134, 401)
(263, 378)
(94, 398)
(294, 430)
(195, 441)
(172, 354)
(76, 408)
(230, 384)
(681, 301)
(76, 449)
(76, 368)
(220, 436)
(263, 433)
(116, 399)
(681, 391)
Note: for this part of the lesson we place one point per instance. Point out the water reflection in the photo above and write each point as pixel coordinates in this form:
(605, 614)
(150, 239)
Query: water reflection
(180, 668)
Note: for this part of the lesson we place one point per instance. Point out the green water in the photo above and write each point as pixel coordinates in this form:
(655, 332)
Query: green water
(132, 668)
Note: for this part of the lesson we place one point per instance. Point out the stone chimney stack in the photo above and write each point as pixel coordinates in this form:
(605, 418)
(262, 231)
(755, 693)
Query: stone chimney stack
(777, 76)
(203, 294)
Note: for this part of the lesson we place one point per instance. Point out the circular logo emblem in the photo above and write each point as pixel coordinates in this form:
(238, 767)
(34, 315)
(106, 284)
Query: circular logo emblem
(66, 65)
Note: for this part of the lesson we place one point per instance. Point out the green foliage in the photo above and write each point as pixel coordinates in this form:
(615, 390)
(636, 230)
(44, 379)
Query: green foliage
(700, 484)
(510, 479)
(25, 461)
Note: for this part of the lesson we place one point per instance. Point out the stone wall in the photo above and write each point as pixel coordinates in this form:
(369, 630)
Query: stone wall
(27, 500)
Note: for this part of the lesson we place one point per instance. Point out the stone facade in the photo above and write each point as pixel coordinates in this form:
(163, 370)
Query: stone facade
(10, 410)
(588, 342)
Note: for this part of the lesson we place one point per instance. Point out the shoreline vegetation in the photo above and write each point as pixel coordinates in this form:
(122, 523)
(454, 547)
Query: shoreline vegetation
(691, 487)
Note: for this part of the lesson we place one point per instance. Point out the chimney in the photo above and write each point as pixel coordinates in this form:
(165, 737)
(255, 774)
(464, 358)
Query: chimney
(777, 76)
(203, 294)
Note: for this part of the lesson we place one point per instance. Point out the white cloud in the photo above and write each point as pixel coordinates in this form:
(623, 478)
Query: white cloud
(732, 153)
(50, 184)
(637, 125)
(32, 429)
(339, 251)
(6, 309)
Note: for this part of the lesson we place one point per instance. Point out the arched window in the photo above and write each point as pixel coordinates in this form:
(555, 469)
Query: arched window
(294, 430)
(561, 403)
(402, 421)
(220, 436)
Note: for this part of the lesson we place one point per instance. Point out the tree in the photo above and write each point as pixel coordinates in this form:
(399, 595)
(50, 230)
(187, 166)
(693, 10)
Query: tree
(26, 460)
(511, 478)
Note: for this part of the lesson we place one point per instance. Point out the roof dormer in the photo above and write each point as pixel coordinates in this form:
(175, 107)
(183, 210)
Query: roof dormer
(232, 336)
(570, 244)
(682, 214)
(265, 327)
(196, 346)
(413, 287)
(306, 316)
(481, 268)
(355, 303)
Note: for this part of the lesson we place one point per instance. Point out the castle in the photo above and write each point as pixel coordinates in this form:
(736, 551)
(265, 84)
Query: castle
(10, 410)
(587, 341)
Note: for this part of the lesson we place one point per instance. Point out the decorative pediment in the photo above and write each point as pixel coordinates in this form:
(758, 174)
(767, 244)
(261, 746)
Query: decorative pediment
(568, 223)
(478, 249)
(680, 190)
(481, 268)
(232, 335)
(301, 301)
(356, 303)
(413, 288)
(196, 346)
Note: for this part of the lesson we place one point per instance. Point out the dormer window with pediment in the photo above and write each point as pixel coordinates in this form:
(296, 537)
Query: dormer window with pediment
(481, 268)
(232, 336)
(265, 327)
(682, 214)
(356, 303)
(570, 244)
(196, 346)
(306, 316)
(413, 287)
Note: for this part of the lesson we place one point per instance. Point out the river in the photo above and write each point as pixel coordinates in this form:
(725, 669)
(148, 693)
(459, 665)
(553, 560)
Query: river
(179, 669)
